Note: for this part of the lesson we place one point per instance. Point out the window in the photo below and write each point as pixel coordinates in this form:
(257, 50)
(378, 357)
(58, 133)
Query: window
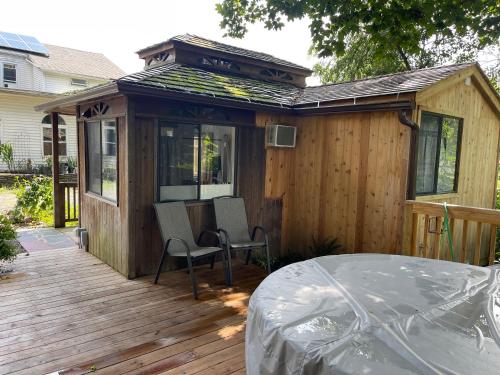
(438, 154)
(101, 150)
(78, 82)
(47, 136)
(195, 161)
(9, 73)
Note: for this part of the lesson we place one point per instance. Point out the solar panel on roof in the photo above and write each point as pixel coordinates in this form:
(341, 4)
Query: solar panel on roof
(22, 43)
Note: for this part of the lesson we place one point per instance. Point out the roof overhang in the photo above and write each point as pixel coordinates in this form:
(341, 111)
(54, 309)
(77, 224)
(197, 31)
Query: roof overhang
(29, 93)
(67, 104)
(350, 108)
(478, 78)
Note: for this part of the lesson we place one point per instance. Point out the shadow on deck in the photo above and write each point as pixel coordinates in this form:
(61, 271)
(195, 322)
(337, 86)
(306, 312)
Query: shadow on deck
(64, 311)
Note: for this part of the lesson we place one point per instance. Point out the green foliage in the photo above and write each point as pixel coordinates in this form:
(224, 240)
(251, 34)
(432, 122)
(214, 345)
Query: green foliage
(368, 37)
(391, 25)
(324, 247)
(7, 155)
(34, 199)
(318, 248)
(209, 158)
(72, 164)
(7, 250)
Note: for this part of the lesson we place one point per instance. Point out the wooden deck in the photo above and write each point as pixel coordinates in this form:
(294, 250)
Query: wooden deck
(64, 311)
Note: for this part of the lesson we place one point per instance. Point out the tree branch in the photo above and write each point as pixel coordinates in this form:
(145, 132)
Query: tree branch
(404, 57)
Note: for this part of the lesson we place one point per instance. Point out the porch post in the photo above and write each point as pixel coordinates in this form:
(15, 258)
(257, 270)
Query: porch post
(59, 220)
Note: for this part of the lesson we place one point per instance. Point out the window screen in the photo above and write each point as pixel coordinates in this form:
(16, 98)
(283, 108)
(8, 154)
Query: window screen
(102, 164)
(195, 161)
(438, 154)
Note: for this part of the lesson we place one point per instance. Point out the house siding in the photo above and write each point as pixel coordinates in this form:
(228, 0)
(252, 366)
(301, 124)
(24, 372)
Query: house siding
(24, 70)
(58, 83)
(21, 126)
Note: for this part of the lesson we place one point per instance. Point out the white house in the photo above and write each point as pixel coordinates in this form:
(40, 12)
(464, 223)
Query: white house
(28, 79)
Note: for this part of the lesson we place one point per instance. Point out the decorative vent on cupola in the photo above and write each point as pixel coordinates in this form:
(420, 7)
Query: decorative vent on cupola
(157, 59)
(277, 74)
(217, 62)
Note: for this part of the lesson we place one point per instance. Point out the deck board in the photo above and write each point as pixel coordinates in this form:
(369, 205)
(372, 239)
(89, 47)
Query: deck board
(64, 311)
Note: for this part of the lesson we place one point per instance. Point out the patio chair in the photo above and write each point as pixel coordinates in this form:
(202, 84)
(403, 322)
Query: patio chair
(178, 240)
(231, 218)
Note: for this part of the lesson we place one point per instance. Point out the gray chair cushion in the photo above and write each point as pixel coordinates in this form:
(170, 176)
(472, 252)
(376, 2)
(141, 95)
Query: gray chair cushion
(174, 222)
(231, 216)
(200, 251)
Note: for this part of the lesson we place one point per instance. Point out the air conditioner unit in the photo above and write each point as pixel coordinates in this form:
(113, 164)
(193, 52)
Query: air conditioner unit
(281, 136)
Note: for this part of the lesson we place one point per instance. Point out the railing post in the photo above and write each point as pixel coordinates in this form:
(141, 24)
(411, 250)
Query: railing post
(59, 220)
(410, 231)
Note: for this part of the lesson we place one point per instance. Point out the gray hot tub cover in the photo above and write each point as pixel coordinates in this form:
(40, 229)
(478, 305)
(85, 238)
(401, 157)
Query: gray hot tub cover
(375, 314)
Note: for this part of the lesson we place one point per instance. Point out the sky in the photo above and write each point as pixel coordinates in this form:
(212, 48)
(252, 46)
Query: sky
(119, 28)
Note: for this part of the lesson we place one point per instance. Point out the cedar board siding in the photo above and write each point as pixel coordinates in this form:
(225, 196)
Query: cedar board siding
(478, 157)
(250, 183)
(479, 151)
(346, 178)
(107, 222)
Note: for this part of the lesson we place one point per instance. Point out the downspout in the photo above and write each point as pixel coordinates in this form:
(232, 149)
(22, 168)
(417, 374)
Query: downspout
(411, 191)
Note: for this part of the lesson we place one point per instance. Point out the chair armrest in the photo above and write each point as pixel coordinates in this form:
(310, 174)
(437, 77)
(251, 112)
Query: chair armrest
(225, 236)
(259, 228)
(213, 233)
(184, 243)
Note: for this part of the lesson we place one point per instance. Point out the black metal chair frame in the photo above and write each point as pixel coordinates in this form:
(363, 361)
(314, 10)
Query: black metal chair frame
(227, 244)
(190, 259)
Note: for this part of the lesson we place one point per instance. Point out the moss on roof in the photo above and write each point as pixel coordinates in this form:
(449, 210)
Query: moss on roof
(177, 77)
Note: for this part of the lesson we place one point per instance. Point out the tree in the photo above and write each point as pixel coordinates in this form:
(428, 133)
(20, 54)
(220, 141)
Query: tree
(377, 35)
(361, 60)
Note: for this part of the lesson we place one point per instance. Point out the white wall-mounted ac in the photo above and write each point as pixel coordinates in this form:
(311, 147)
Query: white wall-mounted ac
(281, 135)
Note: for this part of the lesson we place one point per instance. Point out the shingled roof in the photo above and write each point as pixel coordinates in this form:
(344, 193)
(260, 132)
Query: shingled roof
(197, 82)
(410, 81)
(73, 61)
(190, 80)
(200, 42)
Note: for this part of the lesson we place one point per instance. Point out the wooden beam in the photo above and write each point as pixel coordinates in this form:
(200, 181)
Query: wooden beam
(59, 220)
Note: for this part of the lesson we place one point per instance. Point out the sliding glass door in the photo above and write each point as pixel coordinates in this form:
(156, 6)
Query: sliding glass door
(195, 161)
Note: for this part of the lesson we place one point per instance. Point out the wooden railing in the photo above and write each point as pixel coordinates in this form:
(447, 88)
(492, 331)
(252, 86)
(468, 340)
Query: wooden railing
(71, 202)
(473, 232)
(66, 204)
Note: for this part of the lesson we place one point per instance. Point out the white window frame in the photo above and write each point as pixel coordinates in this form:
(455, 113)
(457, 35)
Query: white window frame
(83, 82)
(9, 84)
(49, 126)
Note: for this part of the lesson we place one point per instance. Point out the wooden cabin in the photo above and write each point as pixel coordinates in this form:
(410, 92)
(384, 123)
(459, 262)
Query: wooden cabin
(196, 123)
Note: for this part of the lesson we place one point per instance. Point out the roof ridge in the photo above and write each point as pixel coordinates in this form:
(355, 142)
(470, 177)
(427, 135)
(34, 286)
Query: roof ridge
(394, 74)
(74, 49)
(233, 46)
(190, 39)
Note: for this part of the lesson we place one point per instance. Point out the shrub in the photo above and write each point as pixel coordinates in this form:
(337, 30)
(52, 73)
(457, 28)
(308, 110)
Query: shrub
(72, 164)
(34, 199)
(317, 249)
(7, 155)
(7, 249)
